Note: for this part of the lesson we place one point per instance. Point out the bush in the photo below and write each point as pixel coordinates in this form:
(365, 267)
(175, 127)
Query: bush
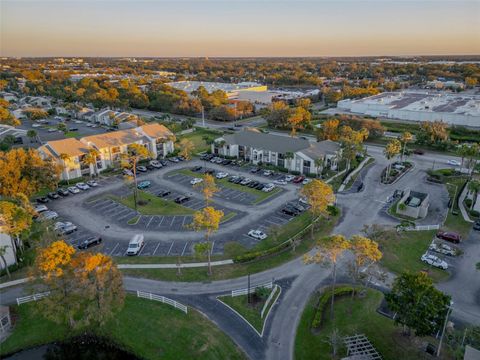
(468, 202)
(323, 301)
(250, 256)
(475, 213)
(262, 292)
(333, 210)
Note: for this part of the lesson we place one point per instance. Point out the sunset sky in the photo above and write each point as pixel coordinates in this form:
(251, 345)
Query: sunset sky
(238, 28)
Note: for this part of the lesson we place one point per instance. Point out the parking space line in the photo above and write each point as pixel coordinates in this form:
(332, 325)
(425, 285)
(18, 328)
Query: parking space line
(184, 248)
(183, 222)
(115, 248)
(170, 249)
(156, 248)
(143, 247)
(149, 221)
(173, 219)
(161, 221)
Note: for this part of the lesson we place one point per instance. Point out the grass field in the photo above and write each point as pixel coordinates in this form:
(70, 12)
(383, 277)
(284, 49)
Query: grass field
(260, 195)
(403, 252)
(357, 316)
(148, 329)
(197, 138)
(155, 205)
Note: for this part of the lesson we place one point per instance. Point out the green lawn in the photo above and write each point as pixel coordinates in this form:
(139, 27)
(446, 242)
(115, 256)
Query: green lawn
(148, 329)
(403, 252)
(251, 312)
(155, 205)
(260, 195)
(71, 134)
(324, 228)
(197, 138)
(357, 316)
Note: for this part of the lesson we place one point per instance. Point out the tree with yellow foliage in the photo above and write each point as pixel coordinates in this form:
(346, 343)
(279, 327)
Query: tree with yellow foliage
(16, 219)
(329, 130)
(186, 148)
(208, 220)
(329, 250)
(90, 159)
(299, 118)
(85, 288)
(391, 150)
(405, 138)
(25, 172)
(319, 196)
(6, 117)
(365, 254)
(208, 187)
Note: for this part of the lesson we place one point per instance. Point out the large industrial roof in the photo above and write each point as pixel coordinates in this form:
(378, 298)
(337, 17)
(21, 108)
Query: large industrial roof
(190, 86)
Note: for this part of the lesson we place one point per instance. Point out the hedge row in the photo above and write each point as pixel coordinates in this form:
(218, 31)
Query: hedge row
(261, 254)
(324, 300)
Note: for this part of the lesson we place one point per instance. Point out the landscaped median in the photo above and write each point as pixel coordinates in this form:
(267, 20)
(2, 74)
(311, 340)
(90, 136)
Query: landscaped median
(145, 328)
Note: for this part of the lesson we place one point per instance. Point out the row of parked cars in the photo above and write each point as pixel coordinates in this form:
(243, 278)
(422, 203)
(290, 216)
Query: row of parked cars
(294, 208)
(439, 247)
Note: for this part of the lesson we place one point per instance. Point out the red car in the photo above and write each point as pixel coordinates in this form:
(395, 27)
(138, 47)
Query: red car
(449, 236)
(298, 179)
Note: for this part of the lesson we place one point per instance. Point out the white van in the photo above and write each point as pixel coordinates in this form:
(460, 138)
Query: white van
(135, 245)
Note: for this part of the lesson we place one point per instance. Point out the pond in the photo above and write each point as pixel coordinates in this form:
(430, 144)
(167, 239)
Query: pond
(80, 348)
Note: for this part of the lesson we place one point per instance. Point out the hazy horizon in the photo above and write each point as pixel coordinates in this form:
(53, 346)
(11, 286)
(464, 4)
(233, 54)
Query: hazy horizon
(288, 28)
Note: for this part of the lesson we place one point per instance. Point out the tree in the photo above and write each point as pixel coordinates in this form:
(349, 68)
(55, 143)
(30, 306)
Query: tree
(130, 159)
(319, 164)
(298, 119)
(417, 303)
(208, 187)
(352, 142)
(65, 159)
(202, 249)
(208, 220)
(7, 118)
(319, 196)
(391, 150)
(329, 130)
(90, 159)
(35, 113)
(288, 157)
(365, 253)
(3, 251)
(85, 288)
(463, 151)
(329, 250)
(470, 82)
(277, 114)
(32, 134)
(404, 139)
(17, 220)
(433, 132)
(186, 148)
(62, 127)
(25, 172)
(474, 186)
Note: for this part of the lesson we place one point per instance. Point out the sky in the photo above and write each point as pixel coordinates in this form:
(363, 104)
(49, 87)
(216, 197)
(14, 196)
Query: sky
(242, 28)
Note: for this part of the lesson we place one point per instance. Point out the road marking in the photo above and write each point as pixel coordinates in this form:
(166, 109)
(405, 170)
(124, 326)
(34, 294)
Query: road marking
(380, 201)
(161, 221)
(170, 249)
(154, 251)
(149, 221)
(173, 219)
(183, 222)
(184, 248)
(113, 250)
(143, 247)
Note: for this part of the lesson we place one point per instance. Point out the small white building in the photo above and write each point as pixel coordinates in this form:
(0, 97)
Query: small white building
(6, 241)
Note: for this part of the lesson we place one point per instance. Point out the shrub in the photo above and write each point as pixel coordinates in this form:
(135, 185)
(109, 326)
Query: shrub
(324, 300)
(468, 202)
(262, 292)
(475, 213)
(333, 210)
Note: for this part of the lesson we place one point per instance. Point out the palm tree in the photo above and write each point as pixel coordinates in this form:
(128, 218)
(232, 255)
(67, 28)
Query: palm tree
(90, 159)
(405, 138)
(288, 156)
(65, 158)
(318, 163)
(391, 150)
(463, 151)
(134, 153)
(32, 134)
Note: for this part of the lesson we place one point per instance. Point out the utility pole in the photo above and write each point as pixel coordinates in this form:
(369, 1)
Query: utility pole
(444, 326)
(248, 289)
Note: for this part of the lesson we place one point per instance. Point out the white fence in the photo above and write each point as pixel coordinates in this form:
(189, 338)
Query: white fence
(421, 228)
(34, 297)
(252, 289)
(269, 299)
(162, 299)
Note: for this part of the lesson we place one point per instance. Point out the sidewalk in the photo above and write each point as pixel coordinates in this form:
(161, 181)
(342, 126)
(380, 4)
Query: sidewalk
(464, 212)
(174, 266)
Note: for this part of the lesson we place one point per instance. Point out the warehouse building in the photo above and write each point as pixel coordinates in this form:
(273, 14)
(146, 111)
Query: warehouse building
(454, 109)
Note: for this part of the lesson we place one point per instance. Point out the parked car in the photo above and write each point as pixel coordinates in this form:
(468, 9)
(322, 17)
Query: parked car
(144, 184)
(418, 151)
(476, 225)
(53, 195)
(156, 164)
(257, 234)
(135, 245)
(289, 211)
(65, 228)
(245, 181)
(221, 175)
(173, 160)
(298, 179)
(82, 186)
(40, 208)
(48, 215)
(164, 193)
(238, 180)
(182, 199)
(141, 168)
(280, 182)
(434, 261)
(127, 172)
(268, 173)
(196, 168)
(269, 187)
(209, 171)
(195, 181)
(163, 162)
(453, 162)
(42, 200)
(232, 178)
(85, 244)
(443, 249)
(73, 189)
(260, 186)
(289, 177)
(150, 167)
(63, 192)
(92, 183)
(306, 181)
(226, 162)
(255, 170)
(449, 236)
(253, 184)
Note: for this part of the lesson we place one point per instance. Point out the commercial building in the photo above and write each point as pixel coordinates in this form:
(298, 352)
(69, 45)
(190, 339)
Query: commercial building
(232, 90)
(454, 109)
(70, 153)
(294, 154)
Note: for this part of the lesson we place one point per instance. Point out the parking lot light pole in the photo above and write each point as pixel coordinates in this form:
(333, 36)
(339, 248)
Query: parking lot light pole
(444, 327)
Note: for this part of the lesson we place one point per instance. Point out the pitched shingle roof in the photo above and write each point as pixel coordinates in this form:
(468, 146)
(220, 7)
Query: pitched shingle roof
(69, 146)
(115, 138)
(317, 149)
(258, 140)
(156, 131)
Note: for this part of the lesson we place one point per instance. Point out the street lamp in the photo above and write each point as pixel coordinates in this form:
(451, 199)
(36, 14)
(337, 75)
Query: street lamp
(444, 326)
